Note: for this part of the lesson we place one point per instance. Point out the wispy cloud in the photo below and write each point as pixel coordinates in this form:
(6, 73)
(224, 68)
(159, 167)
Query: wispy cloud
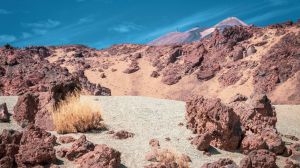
(43, 24)
(7, 38)
(126, 28)
(272, 14)
(4, 12)
(277, 2)
(25, 35)
(199, 18)
(87, 19)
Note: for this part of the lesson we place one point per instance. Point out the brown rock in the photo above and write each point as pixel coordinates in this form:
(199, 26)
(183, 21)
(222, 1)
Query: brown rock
(4, 115)
(202, 142)
(213, 117)
(133, 67)
(101, 156)
(79, 148)
(9, 147)
(295, 150)
(259, 158)
(36, 148)
(66, 139)
(226, 162)
(26, 109)
(253, 142)
(123, 134)
(154, 74)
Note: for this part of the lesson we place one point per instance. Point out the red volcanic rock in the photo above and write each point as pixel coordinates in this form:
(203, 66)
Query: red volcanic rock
(273, 141)
(205, 75)
(36, 148)
(212, 117)
(258, 119)
(4, 116)
(26, 109)
(259, 158)
(9, 147)
(123, 134)
(66, 139)
(79, 148)
(238, 53)
(277, 66)
(133, 67)
(171, 75)
(232, 76)
(101, 156)
(174, 55)
(253, 142)
(237, 33)
(226, 162)
(154, 74)
(202, 141)
(251, 50)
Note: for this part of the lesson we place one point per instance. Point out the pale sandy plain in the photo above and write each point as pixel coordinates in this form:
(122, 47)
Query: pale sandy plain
(151, 118)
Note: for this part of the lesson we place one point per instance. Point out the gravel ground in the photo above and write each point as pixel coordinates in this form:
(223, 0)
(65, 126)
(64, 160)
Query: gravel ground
(151, 118)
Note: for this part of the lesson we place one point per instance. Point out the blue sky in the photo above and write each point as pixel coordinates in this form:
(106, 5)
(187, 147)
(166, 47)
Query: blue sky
(101, 23)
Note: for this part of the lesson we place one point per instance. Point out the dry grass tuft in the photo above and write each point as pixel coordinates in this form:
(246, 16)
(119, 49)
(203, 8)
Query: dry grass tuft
(171, 158)
(74, 115)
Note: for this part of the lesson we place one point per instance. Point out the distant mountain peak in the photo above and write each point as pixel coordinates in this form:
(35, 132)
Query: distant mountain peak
(231, 21)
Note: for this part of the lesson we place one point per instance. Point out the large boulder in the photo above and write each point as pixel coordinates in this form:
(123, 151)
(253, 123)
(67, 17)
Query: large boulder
(224, 162)
(101, 156)
(213, 117)
(4, 116)
(26, 109)
(259, 158)
(9, 147)
(258, 119)
(35, 148)
(79, 148)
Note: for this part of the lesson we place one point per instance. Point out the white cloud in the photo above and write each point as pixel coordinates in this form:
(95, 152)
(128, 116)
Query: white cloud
(25, 35)
(4, 12)
(43, 24)
(125, 28)
(39, 31)
(85, 20)
(7, 38)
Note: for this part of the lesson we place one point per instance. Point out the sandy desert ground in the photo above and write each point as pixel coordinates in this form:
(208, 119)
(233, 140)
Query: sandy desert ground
(150, 118)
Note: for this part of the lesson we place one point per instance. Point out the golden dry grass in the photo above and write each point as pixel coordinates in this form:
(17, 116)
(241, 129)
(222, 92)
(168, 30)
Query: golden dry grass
(169, 157)
(74, 115)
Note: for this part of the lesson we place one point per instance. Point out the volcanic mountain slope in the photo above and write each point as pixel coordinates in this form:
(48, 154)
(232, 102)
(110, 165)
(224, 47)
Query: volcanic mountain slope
(243, 60)
(196, 33)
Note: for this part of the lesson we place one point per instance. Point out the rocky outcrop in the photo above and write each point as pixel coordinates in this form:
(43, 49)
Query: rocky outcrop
(258, 119)
(9, 147)
(219, 121)
(259, 158)
(86, 154)
(133, 67)
(286, 54)
(79, 148)
(101, 156)
(33, 147)
(226, 162)
(37, 108)
(4, 115)
(36, 148)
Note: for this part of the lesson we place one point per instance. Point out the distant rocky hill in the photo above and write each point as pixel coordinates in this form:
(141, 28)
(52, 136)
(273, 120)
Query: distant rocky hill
(195, 33)
(238, 60)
